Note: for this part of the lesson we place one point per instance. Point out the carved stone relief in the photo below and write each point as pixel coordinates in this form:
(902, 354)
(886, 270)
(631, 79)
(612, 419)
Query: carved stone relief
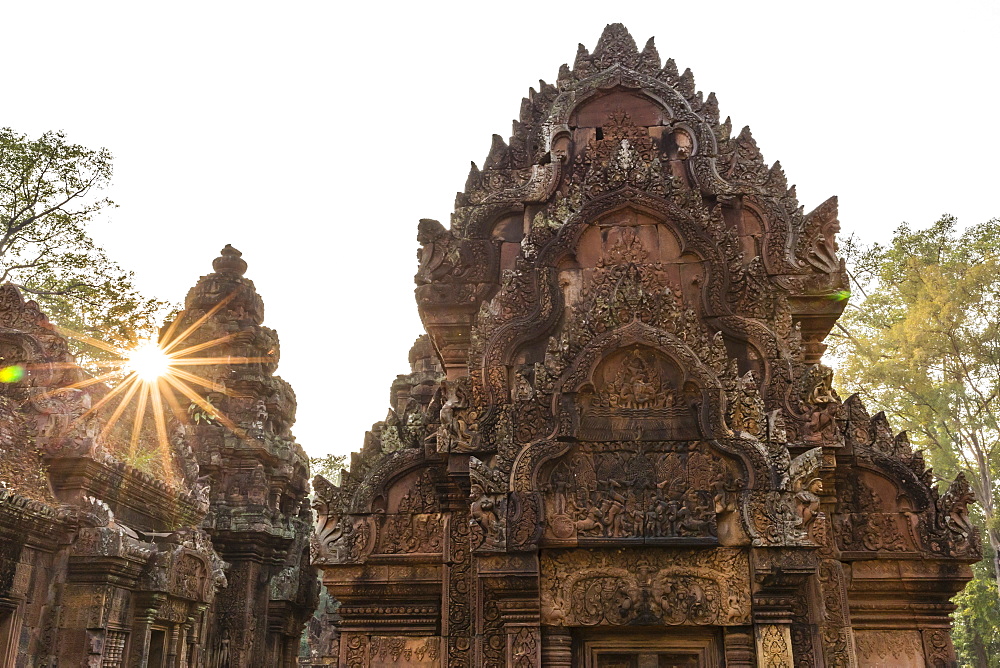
(629, 308)
(633, 392)
(774, 646)
(388, 651)
(402, 533)
(645, 586)
(636, 490)
(882, 649)
(868, 526)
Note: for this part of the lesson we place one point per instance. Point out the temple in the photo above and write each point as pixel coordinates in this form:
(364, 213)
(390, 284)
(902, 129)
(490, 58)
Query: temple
(618, 445)
(194, 555)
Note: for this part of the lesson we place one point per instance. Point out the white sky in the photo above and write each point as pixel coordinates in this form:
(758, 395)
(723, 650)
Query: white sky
(313, 136)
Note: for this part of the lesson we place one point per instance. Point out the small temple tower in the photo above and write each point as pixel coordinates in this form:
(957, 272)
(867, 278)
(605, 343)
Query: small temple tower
(259, 519)
(198, 557)
(626, 450)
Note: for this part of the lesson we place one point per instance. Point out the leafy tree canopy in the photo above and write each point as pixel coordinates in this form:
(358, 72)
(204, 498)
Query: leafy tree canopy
(49, 192)
(921, 341)
(328, 466)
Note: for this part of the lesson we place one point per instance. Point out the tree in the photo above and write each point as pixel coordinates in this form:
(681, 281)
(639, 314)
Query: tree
(328, 466)
(923, 344)
(49, 192)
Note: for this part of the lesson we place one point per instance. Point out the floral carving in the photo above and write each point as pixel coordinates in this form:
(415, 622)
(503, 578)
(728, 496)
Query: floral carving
(385, 651)
(871, 525)
(889, 647)
(775, 651)
(524, 648)
(645, 586)
(624, 156)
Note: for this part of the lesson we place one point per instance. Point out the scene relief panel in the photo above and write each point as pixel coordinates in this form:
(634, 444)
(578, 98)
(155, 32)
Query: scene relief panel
(670, 491)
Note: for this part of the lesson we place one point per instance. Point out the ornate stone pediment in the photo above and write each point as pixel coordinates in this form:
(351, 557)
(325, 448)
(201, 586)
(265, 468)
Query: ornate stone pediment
(631, 426)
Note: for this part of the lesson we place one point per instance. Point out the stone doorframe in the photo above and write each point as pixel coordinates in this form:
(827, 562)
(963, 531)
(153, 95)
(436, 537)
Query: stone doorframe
(565, 647)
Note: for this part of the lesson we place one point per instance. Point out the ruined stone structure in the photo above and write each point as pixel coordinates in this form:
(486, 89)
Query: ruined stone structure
(201, 561)
(618, 445)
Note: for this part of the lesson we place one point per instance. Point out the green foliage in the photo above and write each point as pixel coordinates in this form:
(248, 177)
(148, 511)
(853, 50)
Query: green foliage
(48, 194)
(921, 341)
(202, 415)
(976, 630)
(328, 466)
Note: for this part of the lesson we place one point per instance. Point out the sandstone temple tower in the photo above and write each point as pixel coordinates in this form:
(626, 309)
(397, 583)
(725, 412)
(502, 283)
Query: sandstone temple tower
(199, 560)
(618, 445)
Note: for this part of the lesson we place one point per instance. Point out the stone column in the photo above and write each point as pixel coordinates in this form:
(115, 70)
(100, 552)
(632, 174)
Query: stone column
(196, 652)
(173, 646)
(781, 578)
(145, 613)
(740, 650)
(838, 636)
(457, 596)
(938, 650)
(245, 600)
(557, 647)
(184, 651)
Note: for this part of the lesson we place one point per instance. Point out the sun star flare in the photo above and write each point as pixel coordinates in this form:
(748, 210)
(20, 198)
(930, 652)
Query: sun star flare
(148, 361)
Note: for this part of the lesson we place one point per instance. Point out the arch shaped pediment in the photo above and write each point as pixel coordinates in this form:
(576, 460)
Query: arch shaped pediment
(382, 476)
(677, 108)
(691, 236)
(689, 404)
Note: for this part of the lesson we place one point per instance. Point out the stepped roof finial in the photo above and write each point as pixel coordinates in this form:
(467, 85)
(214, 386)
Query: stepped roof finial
(230, 262)
(615, 46)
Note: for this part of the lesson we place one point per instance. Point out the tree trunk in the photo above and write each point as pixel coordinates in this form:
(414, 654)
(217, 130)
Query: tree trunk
(984, 495)
(979, 650)
(994, 536)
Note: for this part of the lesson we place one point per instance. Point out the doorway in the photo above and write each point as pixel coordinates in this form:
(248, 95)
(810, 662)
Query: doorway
(157, 646)
(687, 648)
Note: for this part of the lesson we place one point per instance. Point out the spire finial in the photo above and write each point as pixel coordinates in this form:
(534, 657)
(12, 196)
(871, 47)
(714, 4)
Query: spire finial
(230, 262)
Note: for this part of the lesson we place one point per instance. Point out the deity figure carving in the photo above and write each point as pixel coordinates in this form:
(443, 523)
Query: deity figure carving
(821, 407)
(807, 502)
(522, 389)
(457, 421)
(653, 494)
(636, 386)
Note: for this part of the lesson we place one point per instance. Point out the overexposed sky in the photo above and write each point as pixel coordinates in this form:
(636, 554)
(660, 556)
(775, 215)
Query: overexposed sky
(313, 136)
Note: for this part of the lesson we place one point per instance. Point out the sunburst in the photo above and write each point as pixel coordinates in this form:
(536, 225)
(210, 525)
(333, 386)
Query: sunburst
(151, 375)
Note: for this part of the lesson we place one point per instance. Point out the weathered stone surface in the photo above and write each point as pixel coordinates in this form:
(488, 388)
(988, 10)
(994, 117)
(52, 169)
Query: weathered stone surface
(628, 425)
(202, 560)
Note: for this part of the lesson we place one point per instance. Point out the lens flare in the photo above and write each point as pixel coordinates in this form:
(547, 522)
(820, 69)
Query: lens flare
(841, 295)
(148, 361)
(11, 374)
(153, 374)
